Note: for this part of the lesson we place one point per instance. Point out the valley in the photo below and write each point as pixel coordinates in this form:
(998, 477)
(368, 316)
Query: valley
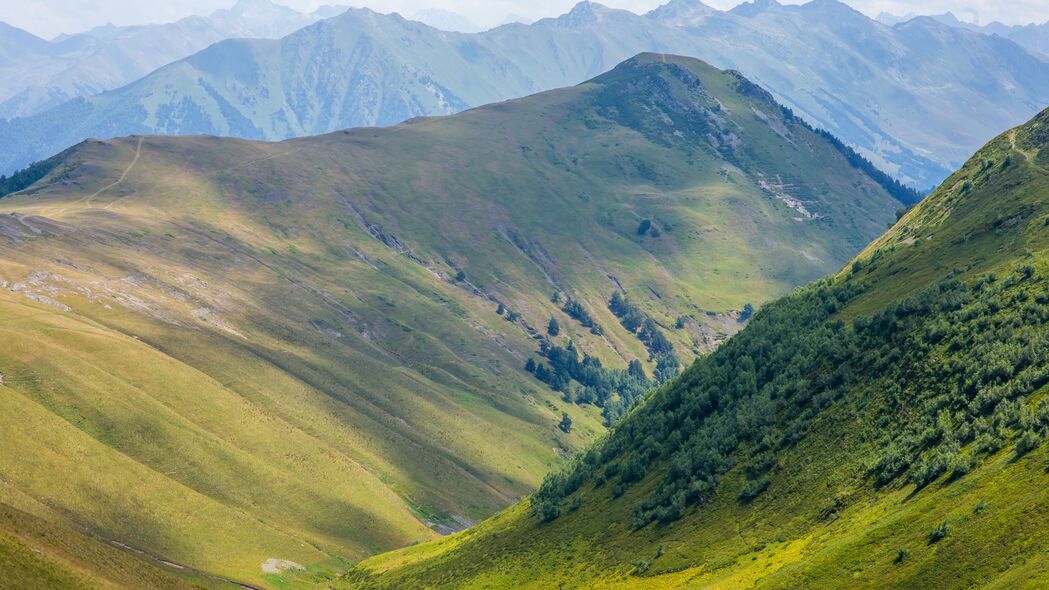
(885, 425)
(316, 297)
(240, 353)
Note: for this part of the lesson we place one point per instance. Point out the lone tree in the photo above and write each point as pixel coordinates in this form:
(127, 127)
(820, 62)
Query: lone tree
(566, 423)
(553, 328)
(501, 309)
(747, 313)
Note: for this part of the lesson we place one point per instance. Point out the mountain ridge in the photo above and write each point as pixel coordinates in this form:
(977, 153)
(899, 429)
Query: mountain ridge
(891, 114)
(44, 74)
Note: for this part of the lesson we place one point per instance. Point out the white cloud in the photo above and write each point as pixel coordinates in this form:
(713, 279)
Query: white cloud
(51, 17)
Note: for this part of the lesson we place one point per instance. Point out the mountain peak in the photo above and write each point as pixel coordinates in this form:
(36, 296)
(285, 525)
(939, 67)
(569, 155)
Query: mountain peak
(585, 12)
(832, 9)
(948, 17)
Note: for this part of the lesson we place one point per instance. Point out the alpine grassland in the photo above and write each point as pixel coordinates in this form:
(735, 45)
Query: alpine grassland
(243, 358)
(880, 428)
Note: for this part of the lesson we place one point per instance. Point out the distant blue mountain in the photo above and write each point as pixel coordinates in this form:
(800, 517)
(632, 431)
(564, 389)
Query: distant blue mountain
(916, 99)
(36, 75)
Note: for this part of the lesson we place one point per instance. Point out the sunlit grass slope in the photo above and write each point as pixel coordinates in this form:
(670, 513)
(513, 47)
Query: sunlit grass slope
(223, 352)
(884, 428)
(37, 554)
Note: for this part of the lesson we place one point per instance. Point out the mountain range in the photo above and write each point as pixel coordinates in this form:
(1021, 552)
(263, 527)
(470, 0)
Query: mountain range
(1032, 36)
(233, 355)
(916, 99)
(36, 75)
(884, 427)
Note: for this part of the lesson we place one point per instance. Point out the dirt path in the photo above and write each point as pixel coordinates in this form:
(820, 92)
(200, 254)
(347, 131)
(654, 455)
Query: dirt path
(88, 200)
(1012, 140)
(138, 154)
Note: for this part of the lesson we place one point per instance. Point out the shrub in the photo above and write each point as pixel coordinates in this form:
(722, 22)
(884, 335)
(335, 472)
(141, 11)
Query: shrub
(890, 466)
(988, 443)
(1027, 442)
(634, 470)
(747, 313)
(961, 465)
(753, 489)
(566, 423)
(546, 511)
(939, 533)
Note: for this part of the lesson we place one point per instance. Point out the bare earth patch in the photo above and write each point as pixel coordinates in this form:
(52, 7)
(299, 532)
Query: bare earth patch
(276, 566)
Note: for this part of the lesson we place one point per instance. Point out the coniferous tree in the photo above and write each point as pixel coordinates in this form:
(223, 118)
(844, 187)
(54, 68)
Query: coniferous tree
(636, 370)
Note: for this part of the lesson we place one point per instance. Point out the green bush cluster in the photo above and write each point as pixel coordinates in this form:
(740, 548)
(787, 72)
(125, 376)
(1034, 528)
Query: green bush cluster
(615, 391)
(950, 372)
(576, 311)
(660, 348)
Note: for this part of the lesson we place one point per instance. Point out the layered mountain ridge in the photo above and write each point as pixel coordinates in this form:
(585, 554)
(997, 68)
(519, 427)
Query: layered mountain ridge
(38, 75)
(915, 100)
(1033, 36)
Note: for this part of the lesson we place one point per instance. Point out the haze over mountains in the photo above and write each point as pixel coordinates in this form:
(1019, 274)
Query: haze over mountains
(1032, 36)
(235, 351)
(36, 74)
(916, 99)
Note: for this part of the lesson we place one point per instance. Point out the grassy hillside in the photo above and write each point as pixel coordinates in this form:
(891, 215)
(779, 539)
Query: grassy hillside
(881, 428)
(224, 352)
(36, 553)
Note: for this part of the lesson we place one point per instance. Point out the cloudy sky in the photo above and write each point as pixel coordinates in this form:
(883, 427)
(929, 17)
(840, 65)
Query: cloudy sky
(48, 18)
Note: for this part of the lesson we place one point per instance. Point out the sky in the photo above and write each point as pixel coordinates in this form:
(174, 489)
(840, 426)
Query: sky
(48, 18)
